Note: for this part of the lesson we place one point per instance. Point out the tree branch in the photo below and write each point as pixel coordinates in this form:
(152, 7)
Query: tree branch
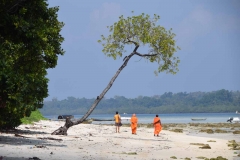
(145, 55)
(135, 49)
(132, 42)
(134, 52)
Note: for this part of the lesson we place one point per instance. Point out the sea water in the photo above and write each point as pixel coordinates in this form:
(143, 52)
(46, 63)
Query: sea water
(165, 118)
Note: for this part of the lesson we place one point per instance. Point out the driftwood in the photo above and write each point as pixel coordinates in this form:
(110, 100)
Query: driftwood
(18, 135)
(50, 138)
(63, 130)
(34, 158)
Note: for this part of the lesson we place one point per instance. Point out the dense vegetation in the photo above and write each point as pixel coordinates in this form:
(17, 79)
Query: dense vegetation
(30, 43)
(195, 102)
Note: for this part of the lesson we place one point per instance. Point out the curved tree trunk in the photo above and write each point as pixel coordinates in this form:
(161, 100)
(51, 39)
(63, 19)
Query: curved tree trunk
(69, 123)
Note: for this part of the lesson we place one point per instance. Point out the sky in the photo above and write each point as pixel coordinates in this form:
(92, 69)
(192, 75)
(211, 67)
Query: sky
(206, 31)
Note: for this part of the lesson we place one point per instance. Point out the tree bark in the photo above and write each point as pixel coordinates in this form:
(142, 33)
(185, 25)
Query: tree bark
(69, 123)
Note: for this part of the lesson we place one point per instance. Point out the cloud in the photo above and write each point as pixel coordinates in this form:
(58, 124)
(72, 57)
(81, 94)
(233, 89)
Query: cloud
(200, 22)
(107, 10)
(197, 23)
(102, 17)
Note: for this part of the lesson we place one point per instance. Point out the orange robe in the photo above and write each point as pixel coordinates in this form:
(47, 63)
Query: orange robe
(157, 125)
(134, 121)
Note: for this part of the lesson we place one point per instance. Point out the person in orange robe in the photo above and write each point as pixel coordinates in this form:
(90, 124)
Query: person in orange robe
(134, 121)
(157, 125)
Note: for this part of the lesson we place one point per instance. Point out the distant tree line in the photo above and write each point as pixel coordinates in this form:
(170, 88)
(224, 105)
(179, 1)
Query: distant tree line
(182, 102)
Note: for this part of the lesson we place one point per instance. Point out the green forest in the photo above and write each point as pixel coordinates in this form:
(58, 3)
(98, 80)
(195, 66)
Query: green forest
(195, 102)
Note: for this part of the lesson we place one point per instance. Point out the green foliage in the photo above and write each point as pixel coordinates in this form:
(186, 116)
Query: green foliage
(140, 31)
(195, 102)
(30, 43)
(34, 117)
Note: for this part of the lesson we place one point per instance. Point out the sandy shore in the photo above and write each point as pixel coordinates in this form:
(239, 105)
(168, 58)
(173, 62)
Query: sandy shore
(89, 141)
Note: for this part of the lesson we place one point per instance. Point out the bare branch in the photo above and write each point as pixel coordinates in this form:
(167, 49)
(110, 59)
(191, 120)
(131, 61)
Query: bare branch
(145, 55)
(135, 49)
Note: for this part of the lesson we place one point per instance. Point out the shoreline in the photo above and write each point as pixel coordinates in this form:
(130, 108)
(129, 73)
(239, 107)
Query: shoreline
(99, 141)
(165, 118)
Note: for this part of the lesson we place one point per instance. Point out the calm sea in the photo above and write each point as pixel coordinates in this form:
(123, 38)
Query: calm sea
(165, 118)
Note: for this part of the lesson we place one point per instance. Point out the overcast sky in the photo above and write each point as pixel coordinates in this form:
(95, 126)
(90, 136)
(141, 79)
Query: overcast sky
(208, 33)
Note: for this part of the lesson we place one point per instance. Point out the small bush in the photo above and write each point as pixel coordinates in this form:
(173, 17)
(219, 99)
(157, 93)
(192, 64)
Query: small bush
(173, 157)
(205, 146)
(34, 117)
(236, 132)
(177, 130)
(209, 131)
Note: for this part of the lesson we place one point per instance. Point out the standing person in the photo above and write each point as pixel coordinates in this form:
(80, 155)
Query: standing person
(157, 125)
(117, 119)
(134, 121)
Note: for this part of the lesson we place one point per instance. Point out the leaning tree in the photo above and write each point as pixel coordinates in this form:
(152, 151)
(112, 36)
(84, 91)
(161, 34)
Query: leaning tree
(137, 31)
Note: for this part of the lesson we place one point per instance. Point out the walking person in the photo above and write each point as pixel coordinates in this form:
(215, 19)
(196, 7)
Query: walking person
(134, 121)
(118, 123)
(157, 125)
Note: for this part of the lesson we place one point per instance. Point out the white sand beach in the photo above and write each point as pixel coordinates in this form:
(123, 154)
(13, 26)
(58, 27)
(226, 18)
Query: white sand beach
(100, 142)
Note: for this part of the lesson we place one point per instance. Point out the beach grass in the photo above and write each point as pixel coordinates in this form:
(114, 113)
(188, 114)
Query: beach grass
(34, 117)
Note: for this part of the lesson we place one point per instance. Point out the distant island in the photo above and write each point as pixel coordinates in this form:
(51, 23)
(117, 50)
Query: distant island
(195, 102)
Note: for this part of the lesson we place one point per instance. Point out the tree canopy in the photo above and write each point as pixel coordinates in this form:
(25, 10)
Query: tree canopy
(30, 43)
(139, 31)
